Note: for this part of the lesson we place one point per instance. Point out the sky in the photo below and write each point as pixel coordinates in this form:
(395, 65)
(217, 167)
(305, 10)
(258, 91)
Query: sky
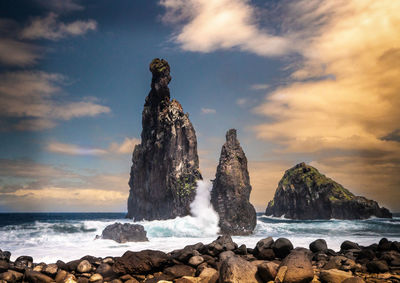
(309, 80)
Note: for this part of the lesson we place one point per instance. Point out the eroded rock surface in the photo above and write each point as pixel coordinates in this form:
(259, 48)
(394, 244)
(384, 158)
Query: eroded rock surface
(123, 233)
(165, 164)
(305, 193)
(231, 190)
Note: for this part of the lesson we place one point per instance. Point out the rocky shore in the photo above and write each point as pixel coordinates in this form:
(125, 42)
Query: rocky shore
(220, 261)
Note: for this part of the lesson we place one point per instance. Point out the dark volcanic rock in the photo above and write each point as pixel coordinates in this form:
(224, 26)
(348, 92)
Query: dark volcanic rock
(140, 262)
(304, 193)
(231, 190)
(123, 233)
(299, 267)
(318, 245)
(282, 247)
(165, 164)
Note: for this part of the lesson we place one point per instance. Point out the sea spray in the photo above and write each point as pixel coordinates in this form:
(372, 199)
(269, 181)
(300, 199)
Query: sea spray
(203, 221)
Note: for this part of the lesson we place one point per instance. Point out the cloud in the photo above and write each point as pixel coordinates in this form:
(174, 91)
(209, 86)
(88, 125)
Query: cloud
(259, 86)
(241, 101)
(342, 97)
(32, 97)
(61, 6)
(49, 27)
(13, 52)
(70, 149)
(208, 111)
(210, 25)
(126, 147)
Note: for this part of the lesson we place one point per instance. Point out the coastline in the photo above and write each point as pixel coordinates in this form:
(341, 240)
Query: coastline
(219, 261)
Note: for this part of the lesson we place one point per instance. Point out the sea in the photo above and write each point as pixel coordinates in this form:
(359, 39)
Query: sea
(49, 237)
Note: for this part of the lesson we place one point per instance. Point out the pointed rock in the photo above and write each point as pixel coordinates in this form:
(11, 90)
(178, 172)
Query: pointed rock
(305, 193)
(165, 164)
(231, 190)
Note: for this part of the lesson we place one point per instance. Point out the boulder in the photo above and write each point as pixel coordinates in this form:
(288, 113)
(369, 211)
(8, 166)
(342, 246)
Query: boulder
(349, 245)
(377, 266)
(299, 267)
(263, 249)
(37, 277)
(236, 269)
(305, 193)
(208, 275)
(318, 245)
(334, 276)
(126, 232)
(50, 269)
(140, 262)
(268, 270)
(105, 270)
(3, 266)
(179, 270)
(84, 266)
(61, 274)
(96, 278)
(354, 280)
(196, 260)
(23, 262)
(5, 255)
(282, 247)
(231, 190)
(222, 243)
(165, 165)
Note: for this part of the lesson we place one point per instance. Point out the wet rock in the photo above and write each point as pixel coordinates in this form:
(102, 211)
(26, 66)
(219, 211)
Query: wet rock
(62, 265)
(377, 266)
(263, 249)
(304, 193)
(72, 265)
(242, 250)
(5, 255)
(236, 269)
(268, 270)
(282, 247)
(105, 270)
(179, 270)
(222, 243)
(224, 255)
(84, 266)
(50, 269)
(165, 165)
(231, 190)
(70, 278)
(299, 267)
(348, 245)
(209, 275)
(334, 276)
(126, 232)
(37, 277)
(140, 262)
(318, 245)
(61, 274)
(3, 266)
(96, 278)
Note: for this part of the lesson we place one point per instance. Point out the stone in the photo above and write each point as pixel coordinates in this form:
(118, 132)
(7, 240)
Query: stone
(5, 255)
(23, 262)
(72, 265)
(84, 266)
(196, 260)
(305, 193)
(123, 233)
(280, 276)
(62, 265)
(236, 269)
(377, 266)
(140, 262)
(165, 165)
(354, 280)
(61, 274)
(179, 270)
(3, 266)
(105, 270)
(282, 247)
(268, 270)
(50, 269)
(349, 245)
(70, 278)
(96, 278)
(263, 249)
(37, 277)
(334, 276)
(209, 275)
(231, 190)
(241, 250)
(187, 279)
(83, 280)
(318, 245)
(222, 243)
(299, 267)
(224, 255)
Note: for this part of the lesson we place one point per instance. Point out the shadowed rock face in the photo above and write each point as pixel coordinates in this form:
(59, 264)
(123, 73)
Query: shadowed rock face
(231, 190)
(165, 164)
(304, 193)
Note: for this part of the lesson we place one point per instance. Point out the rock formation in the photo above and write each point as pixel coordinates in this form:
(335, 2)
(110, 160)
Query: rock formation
(304, 193)
(165, 164)
(231, 190)
(123, 233)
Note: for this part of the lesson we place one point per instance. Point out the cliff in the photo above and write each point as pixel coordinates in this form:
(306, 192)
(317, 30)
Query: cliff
(165, 165)
(231, 190)
(305, 193)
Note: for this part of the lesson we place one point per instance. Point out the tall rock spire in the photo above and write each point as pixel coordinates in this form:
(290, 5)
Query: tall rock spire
(165, 164)
(231, 190)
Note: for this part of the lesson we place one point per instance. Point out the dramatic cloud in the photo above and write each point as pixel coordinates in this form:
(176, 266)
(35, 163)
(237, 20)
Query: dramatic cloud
(126, 147)
(259, 86)
(209, 25)
(32, 97)
(50, 28)
(343, 97)
(61, 6)
(208, 111)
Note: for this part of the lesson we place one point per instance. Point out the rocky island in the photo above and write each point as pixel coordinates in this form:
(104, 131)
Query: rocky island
(231, 190)
(305, 193)
(165, 165)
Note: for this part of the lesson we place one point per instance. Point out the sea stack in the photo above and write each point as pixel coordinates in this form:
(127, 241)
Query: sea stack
(305, 193)
(165, 164)
(231, 190)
